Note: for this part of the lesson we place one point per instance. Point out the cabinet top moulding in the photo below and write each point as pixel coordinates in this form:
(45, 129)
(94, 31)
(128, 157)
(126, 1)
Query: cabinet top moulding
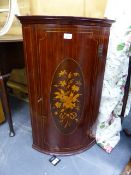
(67, 20)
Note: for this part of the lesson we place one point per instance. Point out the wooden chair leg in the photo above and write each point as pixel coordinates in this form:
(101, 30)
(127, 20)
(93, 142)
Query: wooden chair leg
(126, 93)
(6, 107)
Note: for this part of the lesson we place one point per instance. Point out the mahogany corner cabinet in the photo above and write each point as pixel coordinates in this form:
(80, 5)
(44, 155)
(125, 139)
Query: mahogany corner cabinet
(65, 61)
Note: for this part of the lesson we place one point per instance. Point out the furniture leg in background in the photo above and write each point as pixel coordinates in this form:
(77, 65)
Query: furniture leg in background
(125, 98)
(11, 56)
(5, 103)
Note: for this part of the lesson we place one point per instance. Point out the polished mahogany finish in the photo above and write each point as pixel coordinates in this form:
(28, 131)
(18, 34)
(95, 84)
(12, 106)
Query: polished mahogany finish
(65, 62)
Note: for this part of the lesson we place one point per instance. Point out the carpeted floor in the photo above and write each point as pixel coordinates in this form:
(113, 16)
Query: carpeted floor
(18, 158)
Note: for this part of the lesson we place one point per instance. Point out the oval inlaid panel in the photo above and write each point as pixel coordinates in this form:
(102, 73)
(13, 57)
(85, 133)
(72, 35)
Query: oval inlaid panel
(67, 96)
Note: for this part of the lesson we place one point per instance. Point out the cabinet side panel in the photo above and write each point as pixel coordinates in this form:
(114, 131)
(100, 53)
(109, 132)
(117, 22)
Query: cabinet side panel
(32, 72)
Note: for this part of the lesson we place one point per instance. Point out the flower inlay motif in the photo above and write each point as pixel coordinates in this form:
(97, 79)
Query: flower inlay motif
(67, 97)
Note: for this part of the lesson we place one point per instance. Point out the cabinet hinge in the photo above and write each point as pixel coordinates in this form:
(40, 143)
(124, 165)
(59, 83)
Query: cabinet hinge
(100, 50)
